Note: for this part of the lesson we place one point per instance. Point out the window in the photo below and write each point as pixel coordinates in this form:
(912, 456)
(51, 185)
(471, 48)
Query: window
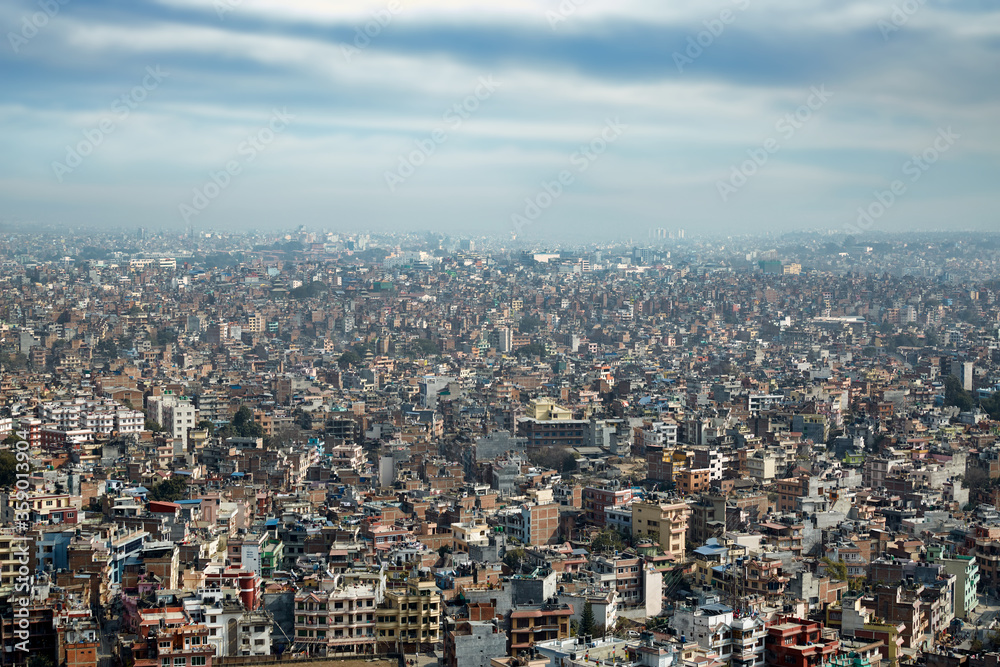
(197, 661)
(180, 662)
(165, 662)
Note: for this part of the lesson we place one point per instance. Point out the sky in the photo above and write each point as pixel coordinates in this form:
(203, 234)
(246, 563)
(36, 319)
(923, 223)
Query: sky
(565, 120)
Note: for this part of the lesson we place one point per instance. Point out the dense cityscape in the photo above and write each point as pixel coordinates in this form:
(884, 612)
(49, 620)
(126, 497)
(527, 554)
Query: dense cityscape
(227, 449)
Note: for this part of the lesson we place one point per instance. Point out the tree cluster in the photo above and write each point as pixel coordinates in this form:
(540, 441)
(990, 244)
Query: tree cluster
(170, 490)
(242, 425)
(556, 458)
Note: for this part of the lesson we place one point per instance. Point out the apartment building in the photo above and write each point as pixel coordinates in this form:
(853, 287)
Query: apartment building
(666, 523)
(339, 620)
(530, 624)
(532, 524)
(409, 618)
(596, 499)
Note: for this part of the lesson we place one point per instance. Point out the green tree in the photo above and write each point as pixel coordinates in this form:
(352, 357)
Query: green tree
(587, 619)
(992, 405)
(607, 541)
(108, 348)
(8, 468)
(422, 347)
(515, 558)
(557, 458)
(242, 425)
(531, 350)
(529, 324)
(837, 569)
(303, 420)
(956, 395)
(14, 362)
(171, 489)
(164, 336)
(348, 359)
(207, 425)
(153, 425)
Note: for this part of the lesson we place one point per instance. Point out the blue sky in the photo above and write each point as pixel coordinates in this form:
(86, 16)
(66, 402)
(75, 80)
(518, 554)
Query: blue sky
(370, 136)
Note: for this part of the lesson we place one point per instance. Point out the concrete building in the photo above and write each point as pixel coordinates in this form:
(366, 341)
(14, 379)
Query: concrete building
(176, 415)
(473, 644)
(966, 572)
(532, 524)
(341, 619)
(530, 624)
(409, 618)
(666, 523)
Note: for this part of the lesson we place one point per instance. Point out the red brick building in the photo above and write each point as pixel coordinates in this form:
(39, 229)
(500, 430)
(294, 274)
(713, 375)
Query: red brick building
(794, 642)
(597, 500)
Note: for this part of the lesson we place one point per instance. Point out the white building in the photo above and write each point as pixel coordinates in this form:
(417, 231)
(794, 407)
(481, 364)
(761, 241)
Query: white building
(714, 626)
(232, 630)
(101, 416)
(659, 434)
(176, 415)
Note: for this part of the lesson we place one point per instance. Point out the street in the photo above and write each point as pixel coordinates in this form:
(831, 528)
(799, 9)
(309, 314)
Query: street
(109, 635)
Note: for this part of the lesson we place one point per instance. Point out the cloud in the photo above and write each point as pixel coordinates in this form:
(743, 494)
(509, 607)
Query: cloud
(358, 107)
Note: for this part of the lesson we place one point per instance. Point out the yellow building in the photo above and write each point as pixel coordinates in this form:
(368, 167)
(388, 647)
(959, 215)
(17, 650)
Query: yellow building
(664, 522)
(464, 534)
(409, 618)
(545, 409)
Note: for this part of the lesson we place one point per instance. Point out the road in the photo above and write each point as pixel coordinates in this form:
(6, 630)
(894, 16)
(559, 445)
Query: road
(109, 635)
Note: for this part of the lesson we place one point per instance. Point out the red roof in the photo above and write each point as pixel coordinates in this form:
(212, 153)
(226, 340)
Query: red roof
(163, 506)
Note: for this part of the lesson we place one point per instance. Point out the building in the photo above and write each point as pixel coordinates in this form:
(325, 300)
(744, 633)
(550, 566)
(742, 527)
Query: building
(596, 499)
(793, 642)
(666, 523)
(532, 524)
(966, 572)
(176, 415)
(530, 624)
(473, 644)
(707, 624)
(339, 620)
(693, 481)
(178, 646)
(409, 618)
(637, 583)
